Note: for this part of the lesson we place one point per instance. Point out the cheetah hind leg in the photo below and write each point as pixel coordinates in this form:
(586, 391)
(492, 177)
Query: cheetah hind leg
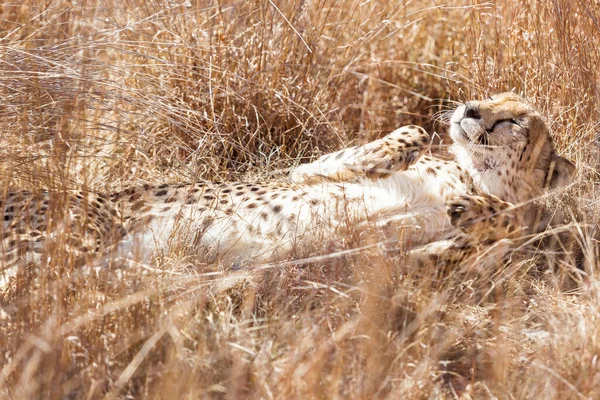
(395, 152)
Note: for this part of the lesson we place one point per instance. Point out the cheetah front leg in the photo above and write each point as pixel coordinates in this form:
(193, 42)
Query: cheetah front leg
(486, 228)
(484, 217)
(395, 152)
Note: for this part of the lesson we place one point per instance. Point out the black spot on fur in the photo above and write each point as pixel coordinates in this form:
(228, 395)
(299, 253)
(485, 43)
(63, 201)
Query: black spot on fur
(340, 154)
(135, 197)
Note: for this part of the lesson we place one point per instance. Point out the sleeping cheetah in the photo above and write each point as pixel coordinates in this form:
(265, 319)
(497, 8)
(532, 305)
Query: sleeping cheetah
(503, 157)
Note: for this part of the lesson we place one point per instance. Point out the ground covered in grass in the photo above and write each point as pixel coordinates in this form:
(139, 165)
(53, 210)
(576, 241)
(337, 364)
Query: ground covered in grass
(96, 95)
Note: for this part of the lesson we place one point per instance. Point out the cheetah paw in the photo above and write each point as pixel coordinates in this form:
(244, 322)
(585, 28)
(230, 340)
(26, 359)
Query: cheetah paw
(483, 216)
(394, 152)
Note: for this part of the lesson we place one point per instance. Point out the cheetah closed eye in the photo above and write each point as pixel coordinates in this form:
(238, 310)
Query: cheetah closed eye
(503, 156)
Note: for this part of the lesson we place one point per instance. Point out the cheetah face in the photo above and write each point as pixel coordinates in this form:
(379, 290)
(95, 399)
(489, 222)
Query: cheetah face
(504, 136)
(486, 126)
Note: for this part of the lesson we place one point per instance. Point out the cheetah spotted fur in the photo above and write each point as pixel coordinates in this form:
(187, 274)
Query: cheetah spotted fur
(504, 156)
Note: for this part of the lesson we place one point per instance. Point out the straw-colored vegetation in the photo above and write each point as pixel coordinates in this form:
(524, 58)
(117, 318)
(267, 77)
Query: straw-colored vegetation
(96, 95)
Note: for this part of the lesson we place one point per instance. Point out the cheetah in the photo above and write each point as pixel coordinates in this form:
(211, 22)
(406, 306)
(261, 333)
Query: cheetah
(503, 157)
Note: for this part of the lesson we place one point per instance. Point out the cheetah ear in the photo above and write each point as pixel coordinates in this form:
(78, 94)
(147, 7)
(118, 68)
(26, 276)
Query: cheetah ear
(562, 170)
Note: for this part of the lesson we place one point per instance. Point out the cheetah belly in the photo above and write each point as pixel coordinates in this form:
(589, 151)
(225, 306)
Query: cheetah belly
(303, 216)
(255, 230)
(252, 228)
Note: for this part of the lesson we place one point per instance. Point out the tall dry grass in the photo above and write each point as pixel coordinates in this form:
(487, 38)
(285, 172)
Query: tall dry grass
(100, 94)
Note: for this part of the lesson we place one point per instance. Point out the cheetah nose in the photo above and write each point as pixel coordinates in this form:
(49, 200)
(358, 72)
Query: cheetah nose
(472, 112)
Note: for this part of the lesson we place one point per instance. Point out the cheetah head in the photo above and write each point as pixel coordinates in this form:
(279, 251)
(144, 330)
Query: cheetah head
(507, 146)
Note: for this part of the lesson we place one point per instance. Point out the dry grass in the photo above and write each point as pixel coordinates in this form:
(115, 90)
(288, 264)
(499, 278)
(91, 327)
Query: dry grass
(99, 94)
